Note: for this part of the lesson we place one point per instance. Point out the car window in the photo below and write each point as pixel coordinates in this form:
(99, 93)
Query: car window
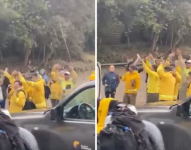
(86, 96)
(98, 80)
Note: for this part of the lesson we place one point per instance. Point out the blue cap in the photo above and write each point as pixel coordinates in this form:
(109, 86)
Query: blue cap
(126, 128)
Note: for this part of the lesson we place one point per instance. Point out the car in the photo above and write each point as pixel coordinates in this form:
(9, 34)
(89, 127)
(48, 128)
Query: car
(170, 112)
(69, 125)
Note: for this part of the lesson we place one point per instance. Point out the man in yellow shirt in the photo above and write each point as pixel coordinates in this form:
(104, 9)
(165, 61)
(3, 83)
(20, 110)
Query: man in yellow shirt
(153, 80)
(37, 85)
(132, 85)
(18, 99)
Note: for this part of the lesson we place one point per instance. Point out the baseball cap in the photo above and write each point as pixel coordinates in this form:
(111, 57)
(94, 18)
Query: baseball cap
(188, 61)
(67, 73)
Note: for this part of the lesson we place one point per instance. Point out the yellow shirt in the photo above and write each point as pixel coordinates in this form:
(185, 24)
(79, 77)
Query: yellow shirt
(188, 93)
(129, 78)
(102, 112)
(166, 85)
(17, 102)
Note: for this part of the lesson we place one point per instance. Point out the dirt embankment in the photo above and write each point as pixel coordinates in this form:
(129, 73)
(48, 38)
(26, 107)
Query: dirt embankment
(87, 63)
(121, 53)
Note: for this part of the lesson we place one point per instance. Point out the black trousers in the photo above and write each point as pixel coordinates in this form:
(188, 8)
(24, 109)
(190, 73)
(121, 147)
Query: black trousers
(110, 93)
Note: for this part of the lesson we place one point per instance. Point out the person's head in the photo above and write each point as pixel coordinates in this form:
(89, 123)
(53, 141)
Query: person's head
(132, 68)
(67, 75)
(34, 77)
(42, 71)
(168, 69)
(15, 74)
(154, 68)
(188, 64)
(17, 85)
(111, 68)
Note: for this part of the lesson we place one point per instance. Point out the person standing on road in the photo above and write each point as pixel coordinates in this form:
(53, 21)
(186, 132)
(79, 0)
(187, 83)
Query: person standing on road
(18, 99)
(153, 82)
(132, 85)
(167, 81)
(111, 81)
(55, 85)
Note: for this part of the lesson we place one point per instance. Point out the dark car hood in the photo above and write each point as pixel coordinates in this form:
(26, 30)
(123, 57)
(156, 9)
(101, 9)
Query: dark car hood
(38, 113)
(151, 109)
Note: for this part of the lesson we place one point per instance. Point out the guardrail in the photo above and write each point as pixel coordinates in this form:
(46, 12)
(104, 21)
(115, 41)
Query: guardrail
(120, 64)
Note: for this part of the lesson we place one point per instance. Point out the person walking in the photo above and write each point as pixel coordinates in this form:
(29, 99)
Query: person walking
(111, 81)
(132, 85)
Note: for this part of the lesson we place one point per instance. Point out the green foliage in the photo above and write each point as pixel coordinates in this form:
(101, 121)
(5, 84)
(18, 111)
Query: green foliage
(153, 19)
(40, 27)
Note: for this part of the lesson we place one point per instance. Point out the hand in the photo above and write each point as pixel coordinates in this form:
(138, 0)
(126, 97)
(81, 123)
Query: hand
(139, 57)
(105, 85)
(163, 62)
(172, 55)
(6, 69)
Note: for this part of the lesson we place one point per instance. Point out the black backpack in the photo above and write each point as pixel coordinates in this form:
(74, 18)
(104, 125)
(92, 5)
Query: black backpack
(126, 132)
(9, 135)
(28, 104)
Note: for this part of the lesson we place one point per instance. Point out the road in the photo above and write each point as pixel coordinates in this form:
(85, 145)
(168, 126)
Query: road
(141, 96)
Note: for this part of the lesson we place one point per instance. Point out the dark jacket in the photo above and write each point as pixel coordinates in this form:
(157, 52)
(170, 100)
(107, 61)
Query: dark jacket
(111, 79)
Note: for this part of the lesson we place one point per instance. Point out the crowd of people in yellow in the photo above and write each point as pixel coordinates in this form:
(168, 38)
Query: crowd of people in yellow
(165, 77)
(31, 87)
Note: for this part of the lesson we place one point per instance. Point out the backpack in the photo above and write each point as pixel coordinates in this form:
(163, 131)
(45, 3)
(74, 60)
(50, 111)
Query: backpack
(126, 132)
(47, 92)
(9, 135)
(28, 104)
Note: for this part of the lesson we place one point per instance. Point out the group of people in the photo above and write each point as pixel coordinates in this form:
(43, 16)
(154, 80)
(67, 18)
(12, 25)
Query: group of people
(35, 87)
(165, 78)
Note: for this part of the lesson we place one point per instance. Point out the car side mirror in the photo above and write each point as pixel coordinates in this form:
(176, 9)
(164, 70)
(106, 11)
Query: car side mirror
(57, 114)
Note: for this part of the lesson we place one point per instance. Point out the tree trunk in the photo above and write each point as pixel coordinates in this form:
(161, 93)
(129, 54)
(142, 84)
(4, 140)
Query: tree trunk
(44, 54)
(48, 57)
(154, 41)
(27, 54)
(166, 40)
(1, 55)
(128, 41)
(39, 54)
(172, 38)
(175, 43)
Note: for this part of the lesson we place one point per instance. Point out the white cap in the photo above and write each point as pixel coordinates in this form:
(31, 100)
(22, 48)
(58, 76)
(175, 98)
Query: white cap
(188, 61)
(68, 73)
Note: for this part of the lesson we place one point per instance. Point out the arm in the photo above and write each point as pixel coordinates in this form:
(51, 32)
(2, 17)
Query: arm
(178, 77)
(103, 79)
(21, 78)
(183, 68)
(160, 70)
(35, 84)
(6, 74)
(21, 99)
(74, 75)
(123, 78)
(147, 69)
(148, 63)
(136, 61)
(117, 79)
